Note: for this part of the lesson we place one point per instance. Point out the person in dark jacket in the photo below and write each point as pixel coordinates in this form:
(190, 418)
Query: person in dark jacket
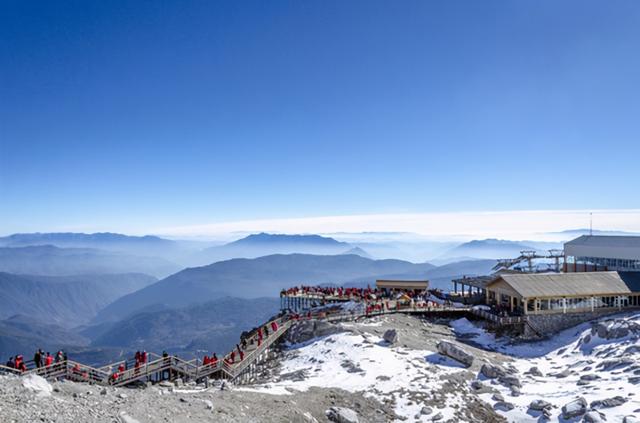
(11, 363)
(37, 359)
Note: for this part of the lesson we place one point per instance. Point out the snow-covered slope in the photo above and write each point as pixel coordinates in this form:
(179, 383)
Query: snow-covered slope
(599, 362)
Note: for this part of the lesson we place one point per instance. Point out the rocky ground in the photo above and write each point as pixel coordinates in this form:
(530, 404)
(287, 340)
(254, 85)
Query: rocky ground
(389, 368)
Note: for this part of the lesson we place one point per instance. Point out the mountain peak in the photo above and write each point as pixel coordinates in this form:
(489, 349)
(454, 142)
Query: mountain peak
(264, 238)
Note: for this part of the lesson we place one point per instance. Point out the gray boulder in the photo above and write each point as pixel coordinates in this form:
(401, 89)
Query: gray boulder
(592, 417)
(631, 419)
(306, 330)
(492, 371)
(539, 405)
(608, 402)
(575, 408)
(342, 415)
(534, 371)
(614, 329)
(391, 336)
(426, 410)
(455, 352)
(503, 406)
(510, 381)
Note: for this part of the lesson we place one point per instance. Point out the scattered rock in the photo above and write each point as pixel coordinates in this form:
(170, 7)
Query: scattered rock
(453, 351)
(391, 336)
(609, 402)
(497, 397)
(426, 410)
(342, 415)
(103, 391)
(306, 330)
(614, 329)
(491, 371)
(592, 417)
(510, 381)
(178, 382)
(125, 418)
(437, 417)
(534, 371)
(539, 405)
(123, 396)
(503, 406)
(575, 408)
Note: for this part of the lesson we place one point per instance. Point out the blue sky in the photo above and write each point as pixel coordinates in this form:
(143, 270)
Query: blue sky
(131, 116)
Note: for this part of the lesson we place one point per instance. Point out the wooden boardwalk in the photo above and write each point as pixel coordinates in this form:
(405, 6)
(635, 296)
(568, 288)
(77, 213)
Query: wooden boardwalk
(171, 367)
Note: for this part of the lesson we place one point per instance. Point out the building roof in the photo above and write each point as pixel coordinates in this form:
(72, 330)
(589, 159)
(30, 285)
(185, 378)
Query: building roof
(606, 241)
(605, 246)
(401, 284)
(541, 285)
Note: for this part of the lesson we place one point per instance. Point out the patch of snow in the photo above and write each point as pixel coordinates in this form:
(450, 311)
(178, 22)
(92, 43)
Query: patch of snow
(605, 365)
(364, 365)
(38, 384)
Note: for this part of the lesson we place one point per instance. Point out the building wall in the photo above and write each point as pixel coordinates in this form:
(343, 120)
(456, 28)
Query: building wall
(547, 324)
(629, 253)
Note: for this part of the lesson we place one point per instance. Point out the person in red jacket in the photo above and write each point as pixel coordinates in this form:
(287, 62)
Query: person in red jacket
(205, 360)
(232, 357)
(214, 360)
(48, 360)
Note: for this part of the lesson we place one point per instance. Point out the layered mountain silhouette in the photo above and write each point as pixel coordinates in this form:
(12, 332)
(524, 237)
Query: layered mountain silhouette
(253, 278)
(263, 244)
(66, 301)
(56, 261)
(211, 326)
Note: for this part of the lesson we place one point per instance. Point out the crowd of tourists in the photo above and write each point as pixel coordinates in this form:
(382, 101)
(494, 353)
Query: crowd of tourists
(40, 360)
(367, 293)
(375, 300)
(250, 341)
(140, 358)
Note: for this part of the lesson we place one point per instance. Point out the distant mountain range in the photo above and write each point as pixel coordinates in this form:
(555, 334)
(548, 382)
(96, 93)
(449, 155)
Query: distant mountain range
(211, 326)
(66, 301)
(495, 249)
(103, 241)
(22, 334)
(56, 261)
(263, 244)
(253, 278)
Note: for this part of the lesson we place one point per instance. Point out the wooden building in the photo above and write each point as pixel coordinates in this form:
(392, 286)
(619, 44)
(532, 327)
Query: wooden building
(402, 285)
(547, 293)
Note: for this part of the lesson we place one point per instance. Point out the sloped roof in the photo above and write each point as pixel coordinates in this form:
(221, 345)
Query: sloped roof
(605, 241)
(571, 284)
(400, 284)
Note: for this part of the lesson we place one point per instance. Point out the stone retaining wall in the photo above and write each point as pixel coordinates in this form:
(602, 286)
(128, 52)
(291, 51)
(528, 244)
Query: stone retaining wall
(547, 324)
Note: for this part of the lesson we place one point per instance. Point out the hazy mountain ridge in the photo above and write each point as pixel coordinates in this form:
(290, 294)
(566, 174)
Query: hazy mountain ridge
(497, 248)
(253, 278)
(264, 244)
(211, 326)
(64, 300)
(55, 261)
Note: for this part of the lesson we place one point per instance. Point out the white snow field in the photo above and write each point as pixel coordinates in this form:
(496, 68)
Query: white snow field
(607, 359)
(355, 362)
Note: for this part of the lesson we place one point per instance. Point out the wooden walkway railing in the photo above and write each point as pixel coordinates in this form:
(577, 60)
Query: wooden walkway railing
(172, 366)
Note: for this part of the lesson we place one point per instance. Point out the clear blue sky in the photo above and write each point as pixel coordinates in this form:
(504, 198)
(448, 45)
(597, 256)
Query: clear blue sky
(145, 113)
